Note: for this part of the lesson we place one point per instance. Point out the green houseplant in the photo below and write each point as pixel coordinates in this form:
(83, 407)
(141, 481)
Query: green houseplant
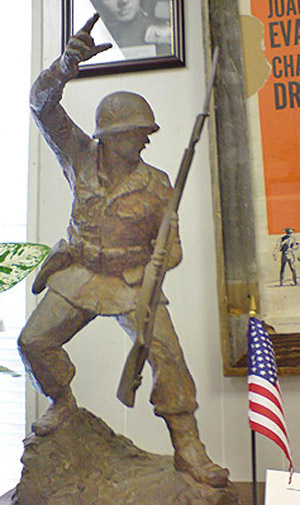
(17, 260)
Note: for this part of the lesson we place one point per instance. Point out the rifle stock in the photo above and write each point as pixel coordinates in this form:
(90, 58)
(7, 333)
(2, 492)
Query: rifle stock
(156, 269)
(131, 377)
(144, 316)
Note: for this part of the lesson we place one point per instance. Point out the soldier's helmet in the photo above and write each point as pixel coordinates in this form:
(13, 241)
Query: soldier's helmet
(123, 111)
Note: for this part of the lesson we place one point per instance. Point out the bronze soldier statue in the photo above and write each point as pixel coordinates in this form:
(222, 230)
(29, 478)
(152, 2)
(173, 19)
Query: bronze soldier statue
(118, 202)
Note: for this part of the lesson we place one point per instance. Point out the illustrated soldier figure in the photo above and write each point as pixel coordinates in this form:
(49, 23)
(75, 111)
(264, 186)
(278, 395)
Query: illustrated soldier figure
(118, 203)
(287, 246)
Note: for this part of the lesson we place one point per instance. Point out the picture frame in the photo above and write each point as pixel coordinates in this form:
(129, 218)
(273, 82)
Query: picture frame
(154, 40)
(242, 231)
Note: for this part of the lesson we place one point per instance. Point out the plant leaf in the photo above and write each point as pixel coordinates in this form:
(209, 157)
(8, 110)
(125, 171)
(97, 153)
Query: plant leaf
(4, 369)
(17, 260)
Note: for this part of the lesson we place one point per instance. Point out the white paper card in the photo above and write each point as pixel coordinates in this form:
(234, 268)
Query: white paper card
(278, 489)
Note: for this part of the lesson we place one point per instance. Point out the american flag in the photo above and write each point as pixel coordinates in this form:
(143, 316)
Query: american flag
(266, 415)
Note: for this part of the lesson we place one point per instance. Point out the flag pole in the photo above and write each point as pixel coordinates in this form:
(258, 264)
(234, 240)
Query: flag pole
(254, 480)
(252, 313)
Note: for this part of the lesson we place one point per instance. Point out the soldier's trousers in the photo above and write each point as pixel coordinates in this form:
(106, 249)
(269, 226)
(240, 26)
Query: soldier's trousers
(55, 321)
(291, 262)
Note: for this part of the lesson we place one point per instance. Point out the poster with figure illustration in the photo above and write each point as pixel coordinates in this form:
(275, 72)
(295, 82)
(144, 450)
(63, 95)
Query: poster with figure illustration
(271, 46)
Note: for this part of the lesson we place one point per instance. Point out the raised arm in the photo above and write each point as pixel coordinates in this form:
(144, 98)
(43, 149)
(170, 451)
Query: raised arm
(65, 138)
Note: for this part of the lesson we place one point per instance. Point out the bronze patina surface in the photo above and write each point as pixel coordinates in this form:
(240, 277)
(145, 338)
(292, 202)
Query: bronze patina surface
(118, 204)
(85, 463)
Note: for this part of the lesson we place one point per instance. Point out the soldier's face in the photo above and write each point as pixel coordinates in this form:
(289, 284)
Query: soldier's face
(128, 145)
(121, 10)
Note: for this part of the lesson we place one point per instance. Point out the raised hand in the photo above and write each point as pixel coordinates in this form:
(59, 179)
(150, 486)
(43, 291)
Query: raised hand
(81, 47)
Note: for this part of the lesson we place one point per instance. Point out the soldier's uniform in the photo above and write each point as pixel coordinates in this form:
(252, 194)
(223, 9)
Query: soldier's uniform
(287, 246)
(99, 270)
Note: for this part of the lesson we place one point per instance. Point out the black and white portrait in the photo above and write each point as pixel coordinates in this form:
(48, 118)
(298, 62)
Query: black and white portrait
(134, 23)
(139, 30)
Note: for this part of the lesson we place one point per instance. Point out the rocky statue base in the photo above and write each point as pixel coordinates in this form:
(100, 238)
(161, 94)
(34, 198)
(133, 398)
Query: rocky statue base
(85, 463)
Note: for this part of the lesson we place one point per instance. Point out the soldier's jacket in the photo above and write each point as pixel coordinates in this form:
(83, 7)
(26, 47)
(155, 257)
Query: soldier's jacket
(111, 229)
(288, 245)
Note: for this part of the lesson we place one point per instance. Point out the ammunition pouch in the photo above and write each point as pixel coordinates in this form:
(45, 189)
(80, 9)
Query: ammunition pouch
(110, 260)
(59, 258)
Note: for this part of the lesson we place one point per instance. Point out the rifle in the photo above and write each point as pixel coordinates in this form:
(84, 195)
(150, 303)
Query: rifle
(156, 269)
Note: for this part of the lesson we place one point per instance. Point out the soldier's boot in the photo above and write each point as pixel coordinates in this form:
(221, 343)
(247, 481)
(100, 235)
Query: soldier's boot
(62, 408)
(190, 455)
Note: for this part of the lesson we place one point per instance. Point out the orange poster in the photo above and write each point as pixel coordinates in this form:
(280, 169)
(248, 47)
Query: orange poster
(279, 108)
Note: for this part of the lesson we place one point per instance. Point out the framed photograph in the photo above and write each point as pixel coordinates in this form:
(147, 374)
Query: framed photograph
(255, 150)
(145, 34)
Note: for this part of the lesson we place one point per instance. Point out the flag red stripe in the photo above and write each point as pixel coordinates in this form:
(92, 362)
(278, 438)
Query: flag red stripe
(270, 434)
(265, 392)
(264, 411)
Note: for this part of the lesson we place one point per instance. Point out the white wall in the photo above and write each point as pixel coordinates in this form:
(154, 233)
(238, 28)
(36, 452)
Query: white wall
(99, 351)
